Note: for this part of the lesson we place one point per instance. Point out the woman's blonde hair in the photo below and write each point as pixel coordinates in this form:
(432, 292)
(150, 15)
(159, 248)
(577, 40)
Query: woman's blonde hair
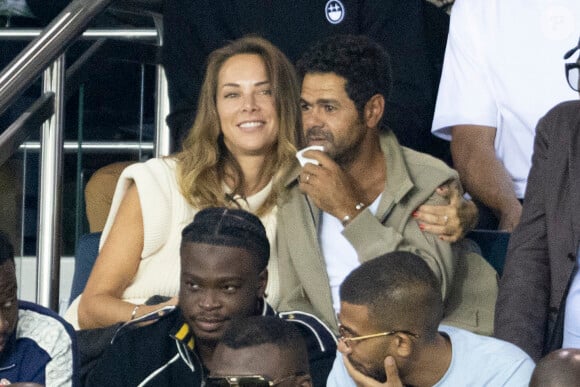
(204, 158)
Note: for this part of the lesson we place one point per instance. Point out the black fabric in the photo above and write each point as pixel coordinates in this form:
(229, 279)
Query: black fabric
(320, 362)
(92, 344)
(320, 342)
(193, 29)
(136, 354)
(47, 10)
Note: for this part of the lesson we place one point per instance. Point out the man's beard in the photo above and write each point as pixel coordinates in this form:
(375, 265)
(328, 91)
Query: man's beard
(378, 373)
(343, 157)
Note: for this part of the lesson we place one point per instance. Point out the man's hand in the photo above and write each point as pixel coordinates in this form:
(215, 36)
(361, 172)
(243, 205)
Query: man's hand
(362, 380)
(450, 222)
(328, 186)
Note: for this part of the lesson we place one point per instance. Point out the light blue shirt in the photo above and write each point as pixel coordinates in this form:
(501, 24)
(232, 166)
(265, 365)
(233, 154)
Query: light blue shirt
(475, 361)
(572, 314)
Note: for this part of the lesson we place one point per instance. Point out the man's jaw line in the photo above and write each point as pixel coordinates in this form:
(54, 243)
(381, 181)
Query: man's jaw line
(363, 370)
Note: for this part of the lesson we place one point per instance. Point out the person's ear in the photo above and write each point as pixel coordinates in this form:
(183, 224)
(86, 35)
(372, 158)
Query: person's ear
(262, 282)
(304, 381)
(404, 345)
(374, 110)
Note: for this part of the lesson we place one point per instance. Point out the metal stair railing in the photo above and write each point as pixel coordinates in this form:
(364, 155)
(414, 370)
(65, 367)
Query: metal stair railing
(45, 53)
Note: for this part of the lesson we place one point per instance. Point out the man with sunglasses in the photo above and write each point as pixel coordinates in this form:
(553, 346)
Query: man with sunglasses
(224, 255)
(538, 306)
(261, 351)
(390, 315)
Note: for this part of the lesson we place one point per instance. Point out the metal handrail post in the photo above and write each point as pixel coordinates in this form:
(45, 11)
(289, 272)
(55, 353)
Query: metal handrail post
(39, 53)
(50, 201)
(162, 135)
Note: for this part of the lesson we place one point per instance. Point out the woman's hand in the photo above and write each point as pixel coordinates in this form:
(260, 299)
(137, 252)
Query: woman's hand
(449, 222)
(101, 303)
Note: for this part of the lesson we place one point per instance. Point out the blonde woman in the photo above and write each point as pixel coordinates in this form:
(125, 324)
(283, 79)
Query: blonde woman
(238, 153)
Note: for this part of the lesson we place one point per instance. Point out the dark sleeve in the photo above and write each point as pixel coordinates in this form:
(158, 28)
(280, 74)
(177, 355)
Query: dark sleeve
(116, 366)
(524, 290)
(414, 33)
(320, 361)
(34, 362)
(320, 342)
(184, 53)
(47, 10)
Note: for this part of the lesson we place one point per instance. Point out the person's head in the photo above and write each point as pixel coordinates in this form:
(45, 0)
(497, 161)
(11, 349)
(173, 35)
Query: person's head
(560, 368)
(345, 82)
(224, 254)
(248, 107)
(8, 288)
(395, 293)
(267, 347)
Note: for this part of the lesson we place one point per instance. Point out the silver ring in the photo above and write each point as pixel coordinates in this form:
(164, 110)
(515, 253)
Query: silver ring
(445, 219)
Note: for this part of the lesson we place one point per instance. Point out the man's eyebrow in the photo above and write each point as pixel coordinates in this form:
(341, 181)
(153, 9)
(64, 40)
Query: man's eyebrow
(326, 101)
(195, 277)
(320, 101)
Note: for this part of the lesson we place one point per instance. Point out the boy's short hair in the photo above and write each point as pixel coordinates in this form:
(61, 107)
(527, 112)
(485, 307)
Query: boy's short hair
(229, 227)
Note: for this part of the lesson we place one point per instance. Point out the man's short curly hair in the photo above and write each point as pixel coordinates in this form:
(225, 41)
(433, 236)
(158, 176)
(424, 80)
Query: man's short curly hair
(362, 62)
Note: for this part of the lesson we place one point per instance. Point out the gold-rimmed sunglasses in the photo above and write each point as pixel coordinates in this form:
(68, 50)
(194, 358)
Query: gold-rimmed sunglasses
(346, 339)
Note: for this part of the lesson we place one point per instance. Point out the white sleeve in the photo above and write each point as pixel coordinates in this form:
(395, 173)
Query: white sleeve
(521, 373)
(156, 184)
(465, 92)
(52, 337)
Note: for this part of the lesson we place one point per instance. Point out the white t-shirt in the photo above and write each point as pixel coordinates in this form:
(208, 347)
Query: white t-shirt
(504, 68)
(339, 255)
(571, 337)
(475, 361)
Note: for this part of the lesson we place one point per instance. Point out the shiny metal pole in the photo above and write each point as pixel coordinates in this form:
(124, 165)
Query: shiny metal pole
(92, 34)
(44, 49)
(162, 135)
(50, 202)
